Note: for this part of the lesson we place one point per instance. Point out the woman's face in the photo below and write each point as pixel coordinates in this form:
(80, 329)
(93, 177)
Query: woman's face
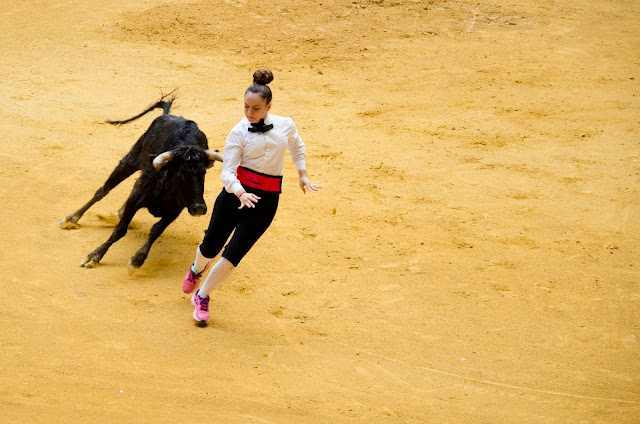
(255, 107)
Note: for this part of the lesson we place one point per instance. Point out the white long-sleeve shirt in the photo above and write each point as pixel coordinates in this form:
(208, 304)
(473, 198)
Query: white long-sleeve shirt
(261, 152)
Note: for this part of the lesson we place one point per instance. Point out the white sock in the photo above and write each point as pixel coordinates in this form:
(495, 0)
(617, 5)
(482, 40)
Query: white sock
(200, 263)
(219, 272)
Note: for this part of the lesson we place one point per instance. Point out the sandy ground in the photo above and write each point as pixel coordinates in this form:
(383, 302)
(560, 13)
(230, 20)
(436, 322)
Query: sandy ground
(473, 257)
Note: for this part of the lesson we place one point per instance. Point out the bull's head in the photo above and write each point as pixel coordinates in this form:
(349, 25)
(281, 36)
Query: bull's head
(187, 179)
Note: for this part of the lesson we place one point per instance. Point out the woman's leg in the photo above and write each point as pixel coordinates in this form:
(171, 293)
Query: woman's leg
(223, 221)
(218, 274)
(200, 263)
(222, 224)
(251, 224)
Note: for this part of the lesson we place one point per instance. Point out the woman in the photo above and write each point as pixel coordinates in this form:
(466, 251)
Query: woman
(252, 176)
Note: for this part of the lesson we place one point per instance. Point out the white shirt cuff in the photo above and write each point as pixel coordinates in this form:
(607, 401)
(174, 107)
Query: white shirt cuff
(235, 188)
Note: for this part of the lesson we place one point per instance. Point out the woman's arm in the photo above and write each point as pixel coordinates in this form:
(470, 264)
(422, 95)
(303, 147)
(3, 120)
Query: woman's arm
(231, 161)
(297, 150)
(305, 182)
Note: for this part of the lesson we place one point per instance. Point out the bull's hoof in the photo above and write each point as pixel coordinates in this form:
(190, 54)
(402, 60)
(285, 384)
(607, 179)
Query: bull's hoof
(68, 224)
(89, 263)
(137, 260)
(132, 268)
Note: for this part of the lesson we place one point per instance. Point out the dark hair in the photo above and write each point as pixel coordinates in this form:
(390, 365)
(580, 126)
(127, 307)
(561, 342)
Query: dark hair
(261, 78)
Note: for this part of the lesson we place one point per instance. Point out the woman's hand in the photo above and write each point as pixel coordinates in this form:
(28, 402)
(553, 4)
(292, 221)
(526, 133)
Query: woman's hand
(305, 182)
(248, 199)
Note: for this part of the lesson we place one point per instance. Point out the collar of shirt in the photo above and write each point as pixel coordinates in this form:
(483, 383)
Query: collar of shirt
(247, 124)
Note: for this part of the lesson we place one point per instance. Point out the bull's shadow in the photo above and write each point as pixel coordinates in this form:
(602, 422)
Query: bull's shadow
(173, 155)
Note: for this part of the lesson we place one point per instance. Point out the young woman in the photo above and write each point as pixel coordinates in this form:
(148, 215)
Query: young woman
(252, 176)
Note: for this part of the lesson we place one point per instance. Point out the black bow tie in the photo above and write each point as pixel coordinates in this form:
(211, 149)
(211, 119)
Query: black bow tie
(260, 127)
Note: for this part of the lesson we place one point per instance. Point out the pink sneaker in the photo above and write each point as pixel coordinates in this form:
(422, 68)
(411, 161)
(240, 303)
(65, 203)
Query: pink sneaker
(201, 305)
(191, 281)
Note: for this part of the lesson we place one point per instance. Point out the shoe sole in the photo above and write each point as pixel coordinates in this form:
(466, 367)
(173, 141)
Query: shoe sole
(199, 322)
(191, 291)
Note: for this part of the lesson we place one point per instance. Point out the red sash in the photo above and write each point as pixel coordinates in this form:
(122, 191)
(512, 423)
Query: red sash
(256, 180)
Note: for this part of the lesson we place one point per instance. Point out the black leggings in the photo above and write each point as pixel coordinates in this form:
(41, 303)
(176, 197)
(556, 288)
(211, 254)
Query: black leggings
(249, 224)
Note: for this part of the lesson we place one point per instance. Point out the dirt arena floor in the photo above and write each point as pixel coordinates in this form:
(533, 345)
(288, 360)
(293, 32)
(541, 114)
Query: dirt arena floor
(473, 257)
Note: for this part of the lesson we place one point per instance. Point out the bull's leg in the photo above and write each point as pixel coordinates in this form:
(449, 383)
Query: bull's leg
(141, 255)
(124, 170)
(121, 210)
(93, 258)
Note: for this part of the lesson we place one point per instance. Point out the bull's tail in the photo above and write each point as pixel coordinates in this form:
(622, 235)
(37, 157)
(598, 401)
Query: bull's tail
(164, 103)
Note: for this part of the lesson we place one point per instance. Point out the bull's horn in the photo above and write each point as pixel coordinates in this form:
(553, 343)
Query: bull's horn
(214, 155)
(162, 159)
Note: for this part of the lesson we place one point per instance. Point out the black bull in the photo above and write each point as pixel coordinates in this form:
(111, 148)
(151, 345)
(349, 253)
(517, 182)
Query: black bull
(173, 156)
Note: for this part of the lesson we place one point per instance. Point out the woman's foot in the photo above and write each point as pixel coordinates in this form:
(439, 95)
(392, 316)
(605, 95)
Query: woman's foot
(192, 280)
(201, 307)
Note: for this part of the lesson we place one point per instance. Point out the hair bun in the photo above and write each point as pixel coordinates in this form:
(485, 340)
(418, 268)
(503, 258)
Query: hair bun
(262, 76)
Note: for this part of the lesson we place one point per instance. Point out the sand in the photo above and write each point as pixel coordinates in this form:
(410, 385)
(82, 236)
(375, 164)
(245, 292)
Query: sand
(472, 258)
